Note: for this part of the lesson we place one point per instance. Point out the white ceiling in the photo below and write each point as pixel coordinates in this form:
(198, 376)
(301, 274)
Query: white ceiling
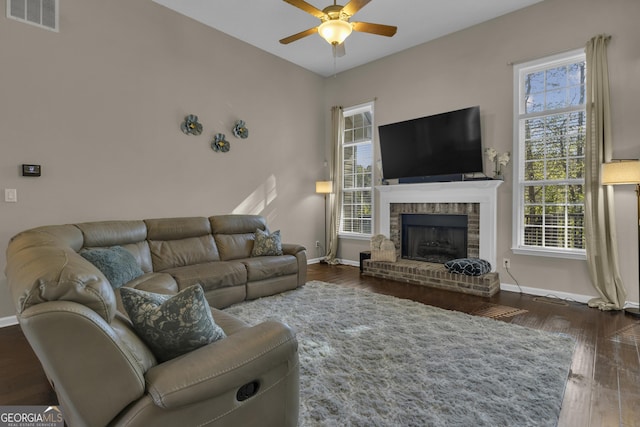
(262, 23)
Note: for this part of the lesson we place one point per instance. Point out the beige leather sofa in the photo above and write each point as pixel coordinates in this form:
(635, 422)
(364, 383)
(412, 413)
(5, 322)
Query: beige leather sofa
(104, 374)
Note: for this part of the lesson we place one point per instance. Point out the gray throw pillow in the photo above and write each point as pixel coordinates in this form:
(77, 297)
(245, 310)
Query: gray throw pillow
(117, 264)
(266, 244)
(171, 325)
(468, 266)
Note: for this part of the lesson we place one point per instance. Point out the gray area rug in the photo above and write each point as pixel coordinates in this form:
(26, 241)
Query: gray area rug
(373, 360)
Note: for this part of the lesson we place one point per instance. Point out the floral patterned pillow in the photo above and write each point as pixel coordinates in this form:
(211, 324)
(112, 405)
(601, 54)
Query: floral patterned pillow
(267, 244)
(171, 325)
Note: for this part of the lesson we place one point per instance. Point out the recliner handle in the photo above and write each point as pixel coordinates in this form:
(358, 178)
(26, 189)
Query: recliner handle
(248, 390)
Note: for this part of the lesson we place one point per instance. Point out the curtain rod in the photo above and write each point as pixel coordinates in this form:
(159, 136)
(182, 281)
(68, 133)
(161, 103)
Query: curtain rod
(533, 58)
(375, 98)
(520, 61)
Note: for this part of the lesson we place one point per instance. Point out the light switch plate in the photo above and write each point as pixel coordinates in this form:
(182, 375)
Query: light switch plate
(10, 195)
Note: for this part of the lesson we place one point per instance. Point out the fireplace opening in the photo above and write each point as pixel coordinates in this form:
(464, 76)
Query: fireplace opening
(434, 237)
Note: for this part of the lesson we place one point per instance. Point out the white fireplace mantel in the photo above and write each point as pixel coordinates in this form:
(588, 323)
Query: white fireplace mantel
(483, 192)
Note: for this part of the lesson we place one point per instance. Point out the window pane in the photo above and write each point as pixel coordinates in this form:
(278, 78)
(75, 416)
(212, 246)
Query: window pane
(357, 170)
(552, 164)
(555, 99)
(555, 194)
(533, 194)
(556, 169)
(576, 168)
(533, 236)
(533, 215)
(575, 194)
(577, 74)
(534, 82)
(554, 216)
(554, 237)
(534, 171)
(556, 77)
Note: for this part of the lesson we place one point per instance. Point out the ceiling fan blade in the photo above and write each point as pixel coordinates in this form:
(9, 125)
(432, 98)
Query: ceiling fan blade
(379, 29)
(353, 6)
(301, 4)
(299, 35)
(339, 50)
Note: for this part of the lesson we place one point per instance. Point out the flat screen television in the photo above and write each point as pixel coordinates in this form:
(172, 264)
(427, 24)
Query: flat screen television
(446, 144)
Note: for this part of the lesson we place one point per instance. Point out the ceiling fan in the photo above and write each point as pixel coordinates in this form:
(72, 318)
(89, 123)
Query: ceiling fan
(335, 26)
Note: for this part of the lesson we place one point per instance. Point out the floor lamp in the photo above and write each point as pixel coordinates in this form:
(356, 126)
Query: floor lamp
(324, 187)
(625, 172)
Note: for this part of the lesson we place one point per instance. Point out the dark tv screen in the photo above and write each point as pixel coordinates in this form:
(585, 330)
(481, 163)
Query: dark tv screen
(442, 144)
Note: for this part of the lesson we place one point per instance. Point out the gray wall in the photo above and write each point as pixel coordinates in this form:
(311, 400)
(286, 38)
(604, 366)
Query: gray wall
(470, 68)
(99, 106)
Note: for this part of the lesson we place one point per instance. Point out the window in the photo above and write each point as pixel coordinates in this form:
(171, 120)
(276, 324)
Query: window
(357, 172)
(550, 123)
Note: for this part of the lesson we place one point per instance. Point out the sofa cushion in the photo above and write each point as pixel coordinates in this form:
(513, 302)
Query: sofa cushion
(116, 263)
(177, 228)
(267, 267)
(211, 275)
(266, 244)
(236, 224)
(178, 253)
(171, 325)
(468, 266)
(234, 246)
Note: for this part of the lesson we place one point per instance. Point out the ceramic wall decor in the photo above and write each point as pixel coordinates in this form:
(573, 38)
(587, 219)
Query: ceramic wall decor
(220, 144)
(191, 126)
(240, 130)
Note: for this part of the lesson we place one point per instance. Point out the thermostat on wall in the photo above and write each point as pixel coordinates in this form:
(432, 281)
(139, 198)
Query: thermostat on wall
(30, 170)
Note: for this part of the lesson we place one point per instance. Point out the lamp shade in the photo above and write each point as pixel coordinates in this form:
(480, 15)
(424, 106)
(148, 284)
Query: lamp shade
(621, 172)
(324, 187)
(335, 31)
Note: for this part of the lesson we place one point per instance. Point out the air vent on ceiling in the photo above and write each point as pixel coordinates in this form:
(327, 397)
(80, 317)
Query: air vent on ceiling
(42, 13)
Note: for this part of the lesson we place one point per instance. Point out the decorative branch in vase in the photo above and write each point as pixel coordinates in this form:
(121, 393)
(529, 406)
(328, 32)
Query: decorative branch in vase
(499, 160)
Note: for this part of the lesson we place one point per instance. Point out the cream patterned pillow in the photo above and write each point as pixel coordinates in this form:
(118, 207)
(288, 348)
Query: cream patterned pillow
(171, 325)
(267, 244)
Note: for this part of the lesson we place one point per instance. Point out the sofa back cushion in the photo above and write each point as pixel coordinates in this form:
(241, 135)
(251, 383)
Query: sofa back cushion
(176, 242)
(235, 234)
(131, 235)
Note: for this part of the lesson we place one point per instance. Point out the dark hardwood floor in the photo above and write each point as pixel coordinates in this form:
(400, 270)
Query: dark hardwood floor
(604, 384)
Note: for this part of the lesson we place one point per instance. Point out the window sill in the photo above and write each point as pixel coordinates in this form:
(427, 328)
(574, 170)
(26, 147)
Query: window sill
(354, 236)
(550, 253)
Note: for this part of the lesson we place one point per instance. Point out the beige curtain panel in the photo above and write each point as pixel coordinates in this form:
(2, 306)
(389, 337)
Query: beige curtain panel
(337, 124)
(600, 227)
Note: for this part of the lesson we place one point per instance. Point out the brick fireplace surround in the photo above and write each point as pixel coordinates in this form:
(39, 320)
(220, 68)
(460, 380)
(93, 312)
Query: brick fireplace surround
(476, 199)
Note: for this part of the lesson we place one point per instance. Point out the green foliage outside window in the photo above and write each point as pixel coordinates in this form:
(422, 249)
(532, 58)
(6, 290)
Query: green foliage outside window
(552, 143)
(357, 173)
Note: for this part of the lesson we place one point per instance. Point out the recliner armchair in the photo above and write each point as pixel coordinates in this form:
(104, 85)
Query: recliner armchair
(104, 374)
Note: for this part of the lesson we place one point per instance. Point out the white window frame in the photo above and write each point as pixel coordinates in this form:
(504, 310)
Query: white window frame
(519, 71)
(345, 113)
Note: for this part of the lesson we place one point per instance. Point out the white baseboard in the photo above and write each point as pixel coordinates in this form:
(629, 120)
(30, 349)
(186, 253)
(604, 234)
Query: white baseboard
(583, 299)
(8, 321)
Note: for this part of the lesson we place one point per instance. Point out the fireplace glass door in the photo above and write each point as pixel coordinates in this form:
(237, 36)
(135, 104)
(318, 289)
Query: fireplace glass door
(434, 237)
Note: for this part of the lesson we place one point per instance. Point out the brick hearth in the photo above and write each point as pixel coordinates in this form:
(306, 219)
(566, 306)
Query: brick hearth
(433, 275)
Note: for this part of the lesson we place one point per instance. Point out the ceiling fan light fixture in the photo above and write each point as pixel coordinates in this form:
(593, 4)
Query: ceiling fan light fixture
(335, 31)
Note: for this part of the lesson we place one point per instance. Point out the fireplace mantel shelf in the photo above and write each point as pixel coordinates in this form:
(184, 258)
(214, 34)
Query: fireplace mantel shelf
(482, 192)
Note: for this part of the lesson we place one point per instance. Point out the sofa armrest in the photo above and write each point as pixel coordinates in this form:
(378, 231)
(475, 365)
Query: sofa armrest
(228, 364)
(300, 252)
(292, 249)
